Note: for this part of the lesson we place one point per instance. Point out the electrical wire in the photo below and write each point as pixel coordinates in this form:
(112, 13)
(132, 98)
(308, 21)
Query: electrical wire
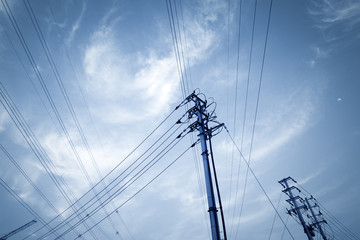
(111, 183)
(181, 67)
(32, 141)
(126, 158)
(43, 85)
(331, 218)
(258, 95)
(273, 223)
(130, 181)
(257, 180)
(67, 100)
(235, 114)
(87, 107)
(283, 232)
(169, 9)
(26, 176)
(23, 203)
(153, 179)
(181, 104)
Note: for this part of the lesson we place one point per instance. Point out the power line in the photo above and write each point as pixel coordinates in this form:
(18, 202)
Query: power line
(23, 203)
(331, 218)
(26, 176)
(53, 106)
(176, 46)
(123, 160)
(235, 110)
(183, 76)
(32, 141)
(153, 179)
(257, 180)
(134, 178)
(66, 97)
(258, 93)
(87, 107)
(273, 223)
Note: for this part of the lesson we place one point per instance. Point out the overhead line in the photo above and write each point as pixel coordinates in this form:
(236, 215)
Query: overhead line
(37, 73)
(175, 44)
(334, 219)
(122, 161)
(273, 223)
(130, 181)
(153, 179)
(182, 50)
(259, 90)
(182, 69)
(67, 100)
(26, 176)
(235, 113)
(32, 141)
(23, 203)
(244, 120)
(257, 180)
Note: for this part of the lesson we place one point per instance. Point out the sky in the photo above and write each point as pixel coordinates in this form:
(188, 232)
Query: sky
(83, 83)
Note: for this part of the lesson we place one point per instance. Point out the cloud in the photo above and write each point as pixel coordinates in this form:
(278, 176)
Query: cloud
(76, 25)
(289, 116)
(131, 93)
(333, 12)
(320, 53)
(310, 177)
(4, 119)
(140, 85)
(336, 17)
(201, 34)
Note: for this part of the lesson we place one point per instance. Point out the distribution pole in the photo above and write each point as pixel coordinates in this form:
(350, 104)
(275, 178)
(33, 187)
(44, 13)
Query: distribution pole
(215, 231)
(296, 208)
(316, 222)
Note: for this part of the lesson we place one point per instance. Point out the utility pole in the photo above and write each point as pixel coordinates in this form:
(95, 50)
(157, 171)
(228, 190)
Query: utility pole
(199, 110)
(214, 222)
(6, 236)
(316, 222)
(295, 207)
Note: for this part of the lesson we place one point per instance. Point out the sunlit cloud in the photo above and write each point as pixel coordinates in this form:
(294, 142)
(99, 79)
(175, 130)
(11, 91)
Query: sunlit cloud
(130, 93)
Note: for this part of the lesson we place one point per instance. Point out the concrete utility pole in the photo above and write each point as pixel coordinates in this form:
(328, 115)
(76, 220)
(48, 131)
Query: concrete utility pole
(215, 230)
(316, 222)
(296, 208)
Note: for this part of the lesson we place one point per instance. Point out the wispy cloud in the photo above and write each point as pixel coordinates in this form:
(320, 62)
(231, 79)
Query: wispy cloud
(292, 116)
(76, 25)
(4, 118)
(131, 93)
(310, 177)
(336, 17)
(334, 12)
(319, 54)
(147, 80)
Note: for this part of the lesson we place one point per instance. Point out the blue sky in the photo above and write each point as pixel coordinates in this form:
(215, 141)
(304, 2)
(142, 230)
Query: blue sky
(115, 61)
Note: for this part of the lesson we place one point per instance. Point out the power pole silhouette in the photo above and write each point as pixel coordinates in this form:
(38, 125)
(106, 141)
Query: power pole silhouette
(316, 222)
(297, 204)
